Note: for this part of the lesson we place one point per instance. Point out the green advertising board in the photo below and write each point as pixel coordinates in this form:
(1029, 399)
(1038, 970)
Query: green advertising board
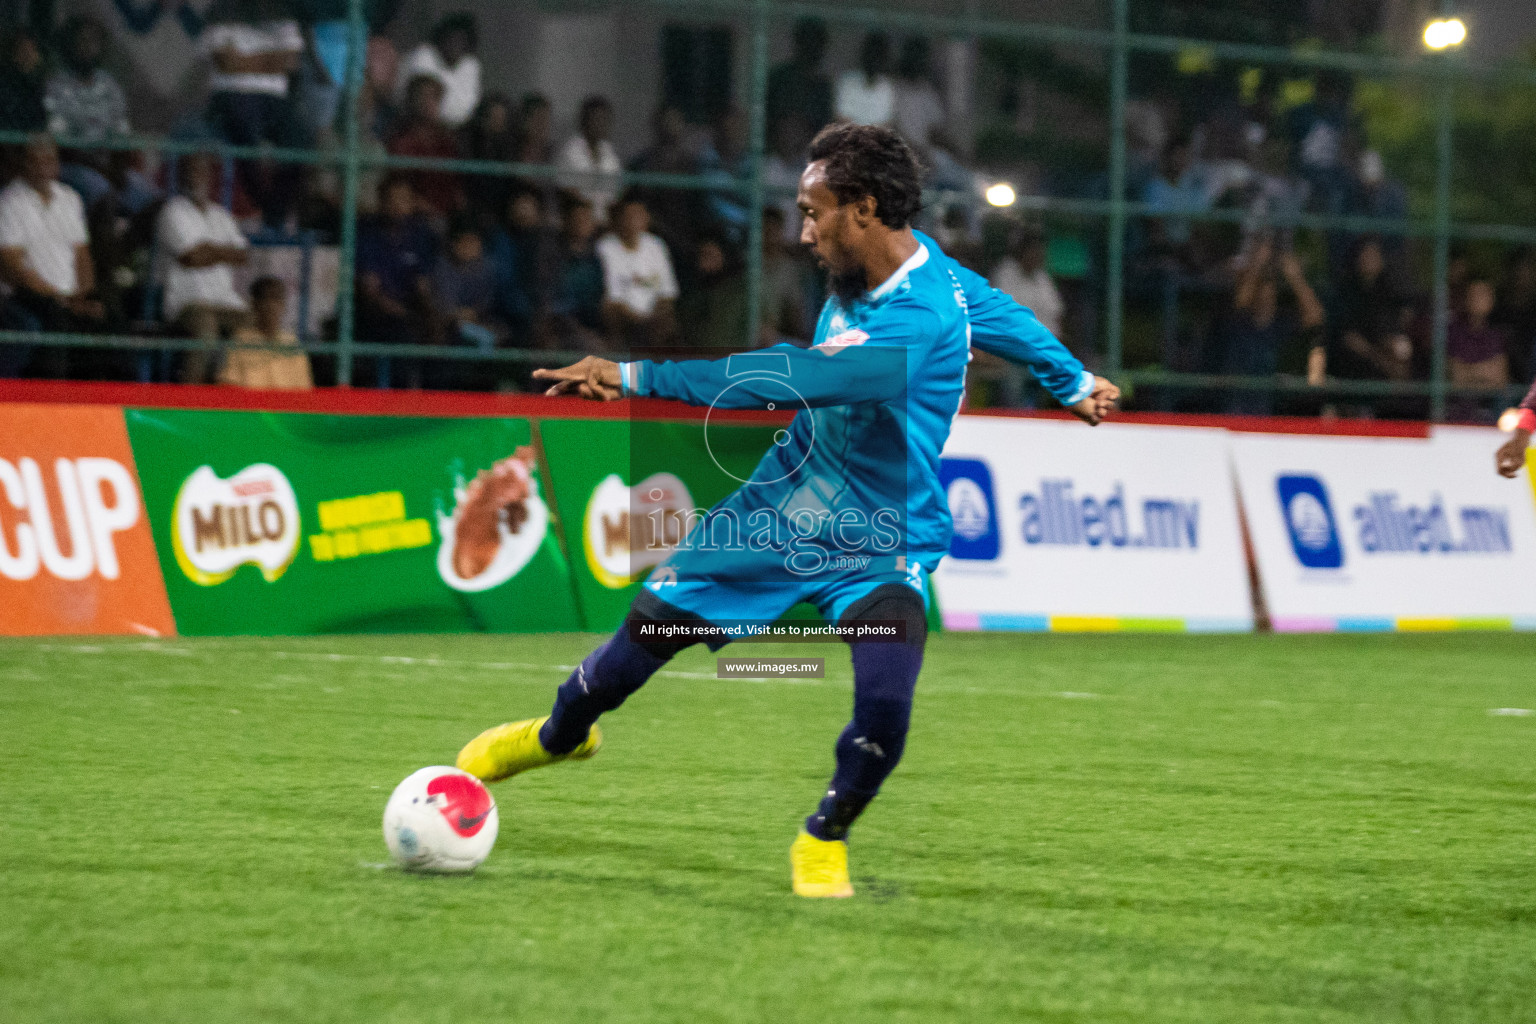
(611, 474)
(273, 523)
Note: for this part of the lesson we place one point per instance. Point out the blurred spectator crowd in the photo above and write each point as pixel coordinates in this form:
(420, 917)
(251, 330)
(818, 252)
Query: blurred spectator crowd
(122, 241)
(114, 240)
(1250, 294)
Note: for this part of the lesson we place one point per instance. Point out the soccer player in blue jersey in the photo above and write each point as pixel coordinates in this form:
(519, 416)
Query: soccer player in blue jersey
(845, 511)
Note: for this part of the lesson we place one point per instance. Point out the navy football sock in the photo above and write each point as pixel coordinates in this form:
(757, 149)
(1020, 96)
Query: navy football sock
(884, 677)
(602, 682)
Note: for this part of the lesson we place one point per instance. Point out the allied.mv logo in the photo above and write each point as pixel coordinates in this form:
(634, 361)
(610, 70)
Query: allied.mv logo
(1309, 521)
(967, 486)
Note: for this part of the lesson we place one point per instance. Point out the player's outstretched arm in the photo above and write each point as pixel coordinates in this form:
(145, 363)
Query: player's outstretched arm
(767, 378)
(871, 364)
(1511, 454)
(762, 378)
(592, 377)
(1002, 327)
(1101, 401)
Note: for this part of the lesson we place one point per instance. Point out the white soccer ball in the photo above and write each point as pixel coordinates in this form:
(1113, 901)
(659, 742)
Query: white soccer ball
(440, 820)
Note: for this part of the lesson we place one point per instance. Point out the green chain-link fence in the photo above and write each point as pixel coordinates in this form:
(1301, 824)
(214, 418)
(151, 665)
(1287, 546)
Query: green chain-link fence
(1441, 72)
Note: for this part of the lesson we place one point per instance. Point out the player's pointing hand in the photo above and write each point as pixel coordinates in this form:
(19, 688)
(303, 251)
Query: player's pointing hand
(1101, 401)
(594, 378)
(1511, 454)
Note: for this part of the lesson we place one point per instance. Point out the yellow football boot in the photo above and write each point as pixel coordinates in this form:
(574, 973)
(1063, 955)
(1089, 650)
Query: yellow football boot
(820, 867)
(506, 750)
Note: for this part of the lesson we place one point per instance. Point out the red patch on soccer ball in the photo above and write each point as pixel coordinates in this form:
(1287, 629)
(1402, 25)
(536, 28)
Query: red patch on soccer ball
(464, 803)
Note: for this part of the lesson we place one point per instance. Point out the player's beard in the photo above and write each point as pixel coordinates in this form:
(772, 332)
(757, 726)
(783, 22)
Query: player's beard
(845, 277)
(848, 285)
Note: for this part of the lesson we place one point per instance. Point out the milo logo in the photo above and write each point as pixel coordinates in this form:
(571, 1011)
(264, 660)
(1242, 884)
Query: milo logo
(219, 525)
(628, 530)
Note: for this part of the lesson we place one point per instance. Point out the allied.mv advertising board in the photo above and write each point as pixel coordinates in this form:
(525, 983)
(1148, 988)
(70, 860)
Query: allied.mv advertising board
(1385, 533)
(1061, 527)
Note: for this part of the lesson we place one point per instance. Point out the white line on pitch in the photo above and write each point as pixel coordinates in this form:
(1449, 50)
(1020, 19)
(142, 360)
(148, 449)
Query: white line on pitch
(382, 659)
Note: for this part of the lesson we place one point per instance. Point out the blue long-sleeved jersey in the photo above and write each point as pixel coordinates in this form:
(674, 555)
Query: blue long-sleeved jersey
(874, 399)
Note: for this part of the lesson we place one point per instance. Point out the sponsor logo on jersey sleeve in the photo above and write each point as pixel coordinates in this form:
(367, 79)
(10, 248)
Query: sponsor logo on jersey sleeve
(847, 339)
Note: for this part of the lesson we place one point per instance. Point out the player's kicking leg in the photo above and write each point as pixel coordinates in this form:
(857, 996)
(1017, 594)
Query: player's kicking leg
(602, 682)
(884, 678)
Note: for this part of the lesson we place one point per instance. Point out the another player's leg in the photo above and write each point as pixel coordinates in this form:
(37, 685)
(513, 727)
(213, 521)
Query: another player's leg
(602, 682)
(884, 678)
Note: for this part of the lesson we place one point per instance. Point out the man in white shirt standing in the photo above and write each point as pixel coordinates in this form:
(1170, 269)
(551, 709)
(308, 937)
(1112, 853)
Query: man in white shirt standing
(248, 83)
(200, 245)
(248, 105)
(592, 158)
(868, 95)
(639, 287)
(448, 56)
(1022, 276)
(45, 254)
(919, 109)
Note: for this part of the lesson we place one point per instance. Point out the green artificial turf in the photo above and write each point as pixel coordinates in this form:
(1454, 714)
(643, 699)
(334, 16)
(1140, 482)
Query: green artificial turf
(1084, 829)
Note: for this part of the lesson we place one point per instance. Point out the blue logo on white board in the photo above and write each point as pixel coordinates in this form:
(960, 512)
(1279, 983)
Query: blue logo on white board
(967, 485)
(1310, 522)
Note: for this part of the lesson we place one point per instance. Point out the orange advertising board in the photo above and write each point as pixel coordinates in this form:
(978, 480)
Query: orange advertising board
(76, 554)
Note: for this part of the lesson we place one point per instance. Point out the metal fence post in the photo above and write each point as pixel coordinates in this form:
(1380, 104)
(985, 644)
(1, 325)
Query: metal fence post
(1445, 116)
(758, 131)
(357, 44)
(1444, 122)
(1114, 284)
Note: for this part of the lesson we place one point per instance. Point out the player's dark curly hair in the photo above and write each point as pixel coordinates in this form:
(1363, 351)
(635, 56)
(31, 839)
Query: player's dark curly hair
(867, 160)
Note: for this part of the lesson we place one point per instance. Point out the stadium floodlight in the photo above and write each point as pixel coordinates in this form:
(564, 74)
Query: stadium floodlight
(1443, 33)
(1001, 194)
